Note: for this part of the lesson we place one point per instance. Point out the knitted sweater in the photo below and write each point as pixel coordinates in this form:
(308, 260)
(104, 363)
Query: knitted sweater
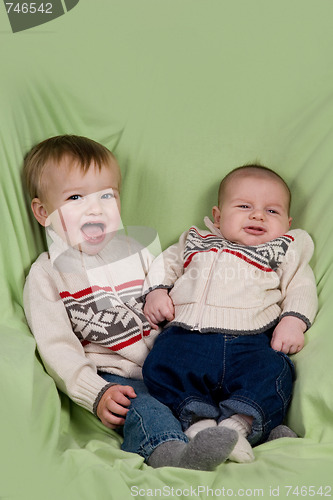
(86, 314)
(220, 286)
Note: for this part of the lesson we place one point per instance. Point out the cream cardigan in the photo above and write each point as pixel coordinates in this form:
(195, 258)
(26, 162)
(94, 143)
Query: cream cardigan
(220, 286)
(86, 314)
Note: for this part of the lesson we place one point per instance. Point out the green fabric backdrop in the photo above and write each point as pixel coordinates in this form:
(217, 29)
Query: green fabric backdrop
(182, 91)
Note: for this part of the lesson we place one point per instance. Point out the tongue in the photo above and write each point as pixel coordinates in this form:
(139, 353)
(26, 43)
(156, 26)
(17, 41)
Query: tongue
(92, 230)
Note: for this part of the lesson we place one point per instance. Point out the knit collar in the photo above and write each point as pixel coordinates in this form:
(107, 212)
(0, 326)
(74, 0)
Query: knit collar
(66, 258)
(215, 230)
(126, 242)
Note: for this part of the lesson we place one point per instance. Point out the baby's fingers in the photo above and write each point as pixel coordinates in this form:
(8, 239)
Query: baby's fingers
(116, 408)
(125, 390)
(168, 312)
(294, 349)
(112, 421)
(276, 344)
(152, 321)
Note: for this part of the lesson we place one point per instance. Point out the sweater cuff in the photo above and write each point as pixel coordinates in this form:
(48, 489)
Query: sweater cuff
(152, 288)
(299, 316)
(99, 396)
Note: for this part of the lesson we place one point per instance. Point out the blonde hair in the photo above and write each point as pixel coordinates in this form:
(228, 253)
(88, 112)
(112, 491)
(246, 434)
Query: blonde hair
(252, 169)
(84, 151)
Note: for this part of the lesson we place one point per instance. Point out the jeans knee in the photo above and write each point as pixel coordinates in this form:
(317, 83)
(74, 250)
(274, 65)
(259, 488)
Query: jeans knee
(285, 381)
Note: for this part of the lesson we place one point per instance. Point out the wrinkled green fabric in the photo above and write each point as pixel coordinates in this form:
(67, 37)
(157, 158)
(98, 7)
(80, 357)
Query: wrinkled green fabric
(182, 91)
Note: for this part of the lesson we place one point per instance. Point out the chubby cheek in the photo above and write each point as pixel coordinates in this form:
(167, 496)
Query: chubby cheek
(114, 218)
(66, 225)
(230, 226)
(281, 229)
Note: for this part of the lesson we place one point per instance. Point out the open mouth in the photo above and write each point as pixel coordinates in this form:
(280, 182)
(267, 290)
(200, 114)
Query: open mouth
(93, 232)
(255, 230)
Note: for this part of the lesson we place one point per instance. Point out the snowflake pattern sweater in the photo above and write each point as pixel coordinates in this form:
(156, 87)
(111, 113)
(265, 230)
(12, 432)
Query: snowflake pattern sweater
(86, 314)
(220, 286)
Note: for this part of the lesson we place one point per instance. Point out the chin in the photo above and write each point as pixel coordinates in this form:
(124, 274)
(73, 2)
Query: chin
(89, 249)
(253, 241)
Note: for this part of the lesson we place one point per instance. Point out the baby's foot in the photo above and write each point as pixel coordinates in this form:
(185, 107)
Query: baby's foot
(200, 426)
(209, 448)
(242, 452)
(281, 431)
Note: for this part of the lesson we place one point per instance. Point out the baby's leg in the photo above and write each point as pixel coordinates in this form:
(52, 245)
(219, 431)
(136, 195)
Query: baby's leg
(259, 383)
(182, 369)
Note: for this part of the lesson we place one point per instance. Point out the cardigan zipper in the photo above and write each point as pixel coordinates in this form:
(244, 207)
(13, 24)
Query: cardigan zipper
(203, 297)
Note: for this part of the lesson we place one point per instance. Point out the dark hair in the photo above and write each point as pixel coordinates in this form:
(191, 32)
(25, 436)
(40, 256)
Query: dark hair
(252, 168)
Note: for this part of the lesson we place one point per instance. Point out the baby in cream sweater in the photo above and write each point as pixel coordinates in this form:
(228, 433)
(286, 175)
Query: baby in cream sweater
(237, 300)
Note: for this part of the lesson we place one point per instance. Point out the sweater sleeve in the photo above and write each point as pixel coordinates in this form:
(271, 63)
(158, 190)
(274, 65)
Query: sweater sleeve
(298, 286)
(167, 267)
(61, 351)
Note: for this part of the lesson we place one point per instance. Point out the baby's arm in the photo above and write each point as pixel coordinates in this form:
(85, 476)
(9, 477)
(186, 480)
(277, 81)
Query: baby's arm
(61, 351)
(288, 336)
(163, 273)
(299, 295)
(158, 307)
(111, 409)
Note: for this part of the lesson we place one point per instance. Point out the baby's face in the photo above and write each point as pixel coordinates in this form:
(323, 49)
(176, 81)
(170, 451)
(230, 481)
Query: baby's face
(84, 209)
(254, 210)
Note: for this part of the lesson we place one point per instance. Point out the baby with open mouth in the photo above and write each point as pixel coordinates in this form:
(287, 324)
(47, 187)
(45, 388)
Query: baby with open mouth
(93, 232)
(83, 209)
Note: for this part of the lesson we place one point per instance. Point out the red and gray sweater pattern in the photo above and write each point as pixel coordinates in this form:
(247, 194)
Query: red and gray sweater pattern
(109, 317)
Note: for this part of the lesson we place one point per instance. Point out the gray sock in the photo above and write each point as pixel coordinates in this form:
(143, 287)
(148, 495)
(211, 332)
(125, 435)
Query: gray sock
(209, 448)
(281, 431)
(167, 454)
(205, 451)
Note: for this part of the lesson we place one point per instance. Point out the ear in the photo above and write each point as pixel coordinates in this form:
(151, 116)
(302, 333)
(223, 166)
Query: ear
(216, 216)
(40, 212)
(290, 221)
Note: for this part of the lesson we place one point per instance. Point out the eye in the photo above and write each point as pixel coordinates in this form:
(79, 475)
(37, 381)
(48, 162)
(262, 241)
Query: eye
(243, 205)
(108, 196)
(75, 197)
(272, 211)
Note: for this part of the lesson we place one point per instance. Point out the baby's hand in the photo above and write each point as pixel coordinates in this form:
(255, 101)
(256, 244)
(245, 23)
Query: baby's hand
(288, 336)
(158, 307)
(111, 409)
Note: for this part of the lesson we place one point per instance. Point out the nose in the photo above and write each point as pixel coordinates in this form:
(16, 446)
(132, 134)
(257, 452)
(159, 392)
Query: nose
(257, 214)
(93, 206)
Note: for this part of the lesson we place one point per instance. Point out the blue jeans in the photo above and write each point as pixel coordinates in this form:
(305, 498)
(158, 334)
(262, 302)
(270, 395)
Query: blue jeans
(212, 375)
(148, 423)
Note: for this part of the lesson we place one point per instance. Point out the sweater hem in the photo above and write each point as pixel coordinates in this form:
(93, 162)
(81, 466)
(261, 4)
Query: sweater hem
(225, 331)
